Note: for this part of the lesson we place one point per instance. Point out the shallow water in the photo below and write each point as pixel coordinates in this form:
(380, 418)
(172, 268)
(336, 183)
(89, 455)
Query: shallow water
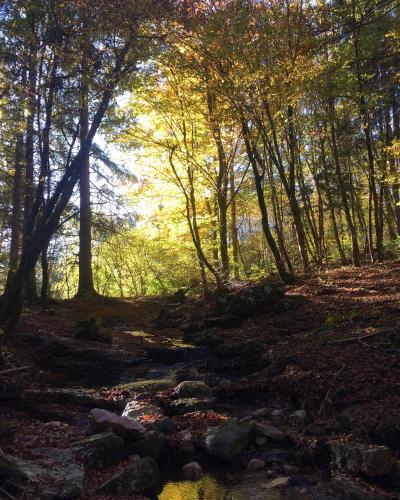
(209, 488)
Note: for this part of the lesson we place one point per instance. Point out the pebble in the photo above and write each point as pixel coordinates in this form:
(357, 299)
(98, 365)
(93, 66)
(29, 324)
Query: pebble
(255, 464)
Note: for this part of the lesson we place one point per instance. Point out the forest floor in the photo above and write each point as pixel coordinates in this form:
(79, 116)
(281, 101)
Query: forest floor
(332, 350)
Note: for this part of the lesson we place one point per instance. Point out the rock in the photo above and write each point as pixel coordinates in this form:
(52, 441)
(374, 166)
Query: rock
(152, 444)
(276, 457)
(314, 430)
(136, 410)
(208, 338)
(193, 389)
(270, 432)
(359, 458)
(290, 469)
(140, 476)
(222, 321)
(241, 357)
(126, 427)
(192, 471)
(149, 386)
(343, 424)
(189, 405)
(255, 464)
(90, 329)
(100, 450)
(228, 440)
(185, 439)
(279, 482)
(61, 476)
(166, 425)
(79, 397)
(164, 355)
(71, 361)
(49, 412)
(261, 413)
(298, 418)
(261, 441)
(348, 489)
(245, 302)
(301, 481)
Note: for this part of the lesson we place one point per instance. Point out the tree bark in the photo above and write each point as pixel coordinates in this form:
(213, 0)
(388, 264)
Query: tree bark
(85, 284)
(234, 231)
(30, 283)
(16, 214)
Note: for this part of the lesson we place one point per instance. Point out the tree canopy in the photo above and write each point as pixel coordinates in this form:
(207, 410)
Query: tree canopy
(149, 146)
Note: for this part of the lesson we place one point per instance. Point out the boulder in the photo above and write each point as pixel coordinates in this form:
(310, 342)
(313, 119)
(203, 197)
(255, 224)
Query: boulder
(241, 357)
(222, 321)
(192, 471)
(152, 444)
(135, 410)
(100, 450)
(73, 361)
(165, 424)
(193, 389)
(90, 329)
(229, 440)
(245, 302)
(270, 432)
(357, 458)
(126, 427)
(79, 397)
(140, 476)
(61, 476)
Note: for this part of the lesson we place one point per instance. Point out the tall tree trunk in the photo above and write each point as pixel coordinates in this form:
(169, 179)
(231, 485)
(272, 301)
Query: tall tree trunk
(16, 214)
(85, 285)
(214, 233)
(30, 284)
(278, 221)
(222, 184)
(44, 291)
(234, 232)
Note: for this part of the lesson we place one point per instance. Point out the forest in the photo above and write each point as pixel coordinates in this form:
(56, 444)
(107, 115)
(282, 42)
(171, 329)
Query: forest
(199, 249)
